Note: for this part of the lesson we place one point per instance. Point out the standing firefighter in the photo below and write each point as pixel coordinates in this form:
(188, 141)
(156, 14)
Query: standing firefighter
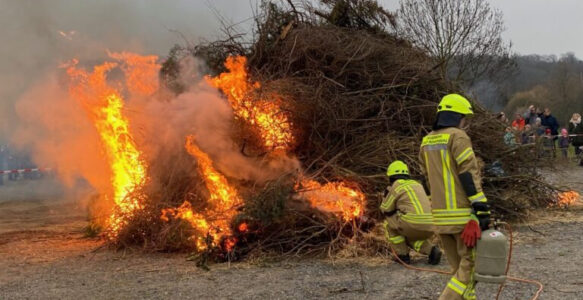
(459, 207)
(408, 222)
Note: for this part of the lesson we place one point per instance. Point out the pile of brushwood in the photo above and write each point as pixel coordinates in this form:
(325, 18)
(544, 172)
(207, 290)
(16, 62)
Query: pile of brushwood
(359, 98)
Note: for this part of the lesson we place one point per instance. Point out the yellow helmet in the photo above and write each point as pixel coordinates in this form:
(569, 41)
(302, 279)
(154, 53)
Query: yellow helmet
(456, 103)
(397, 168)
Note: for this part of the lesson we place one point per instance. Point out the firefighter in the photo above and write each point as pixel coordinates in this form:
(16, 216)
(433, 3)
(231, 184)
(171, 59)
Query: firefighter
(459, 207)
(409, 221)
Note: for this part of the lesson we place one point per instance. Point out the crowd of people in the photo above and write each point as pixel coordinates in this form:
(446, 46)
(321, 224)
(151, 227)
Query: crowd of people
(543, 130)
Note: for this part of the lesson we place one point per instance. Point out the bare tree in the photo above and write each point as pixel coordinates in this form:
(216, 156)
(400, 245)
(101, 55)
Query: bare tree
(464, 36)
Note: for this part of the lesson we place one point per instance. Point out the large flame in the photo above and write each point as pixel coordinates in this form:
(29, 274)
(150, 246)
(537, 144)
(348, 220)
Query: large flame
(333, 197)
(221, 206)
(104, 105)
(266, 116)
(275, 129)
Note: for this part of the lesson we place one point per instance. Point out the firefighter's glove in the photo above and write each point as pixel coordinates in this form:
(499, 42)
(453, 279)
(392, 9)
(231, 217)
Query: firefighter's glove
(482, 212)
(472, 232)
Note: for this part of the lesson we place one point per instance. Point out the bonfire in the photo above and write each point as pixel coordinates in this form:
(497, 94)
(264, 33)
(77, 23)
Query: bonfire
(340, 102)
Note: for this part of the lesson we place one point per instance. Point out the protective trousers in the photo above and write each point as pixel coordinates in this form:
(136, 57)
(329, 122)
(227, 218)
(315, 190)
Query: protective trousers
(402, 235)
(461, 258)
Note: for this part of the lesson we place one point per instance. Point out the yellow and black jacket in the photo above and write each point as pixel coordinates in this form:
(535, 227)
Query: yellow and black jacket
(453, 178)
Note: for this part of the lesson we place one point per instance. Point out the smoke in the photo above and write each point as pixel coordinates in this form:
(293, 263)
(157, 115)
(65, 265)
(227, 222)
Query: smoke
(38, 114)
(38, 35)
(205, 114)
(57, 131)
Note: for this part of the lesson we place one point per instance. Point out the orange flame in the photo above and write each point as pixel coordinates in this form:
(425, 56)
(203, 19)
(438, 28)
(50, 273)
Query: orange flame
(243, 227)
(566, 199)
(333, 197)
(222, 204)
(104, 105)
(275, 129)
(267, 117)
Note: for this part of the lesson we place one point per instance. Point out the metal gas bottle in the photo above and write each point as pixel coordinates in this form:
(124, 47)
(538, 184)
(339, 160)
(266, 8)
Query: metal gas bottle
(491, 257)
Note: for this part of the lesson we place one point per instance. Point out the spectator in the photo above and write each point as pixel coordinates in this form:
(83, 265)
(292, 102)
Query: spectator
(550, 122)
(502, 117)
(564, 142)
(531, 115)
(548, 144)
(518, 122)
(539, 130)
(509, 137)
(576, 129)
(527, 136)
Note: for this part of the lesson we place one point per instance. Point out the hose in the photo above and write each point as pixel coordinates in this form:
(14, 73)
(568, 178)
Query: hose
(511, 278)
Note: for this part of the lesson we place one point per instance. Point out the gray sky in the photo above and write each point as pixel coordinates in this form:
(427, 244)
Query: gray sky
(33, 46)
(538, 26)
(533, 26)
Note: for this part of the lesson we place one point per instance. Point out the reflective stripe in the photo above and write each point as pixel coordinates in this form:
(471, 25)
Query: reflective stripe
(435, 147)
(451, 182)
(426, 162)
(470, 293)
(388, 202)
(447, 180)
(479, 197)
(464, 155)
(397, 239)
(450, 221)
(386, 227)
(451, 212)
(417, 245)
(444, 217)
(403, 186)
(414, 200)
(418, 219)
(456, 286)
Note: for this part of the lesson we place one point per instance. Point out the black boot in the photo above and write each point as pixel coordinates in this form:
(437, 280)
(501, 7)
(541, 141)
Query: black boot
(404, 258)
(434, 256)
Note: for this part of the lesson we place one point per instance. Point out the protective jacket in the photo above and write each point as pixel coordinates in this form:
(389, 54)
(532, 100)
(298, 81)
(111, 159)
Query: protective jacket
(453, 178)
(407, 198)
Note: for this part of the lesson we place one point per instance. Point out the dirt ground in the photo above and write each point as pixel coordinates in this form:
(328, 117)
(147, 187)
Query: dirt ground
(43, 255)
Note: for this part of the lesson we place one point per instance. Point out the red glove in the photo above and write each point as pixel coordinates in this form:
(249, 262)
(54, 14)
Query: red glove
(472, 232)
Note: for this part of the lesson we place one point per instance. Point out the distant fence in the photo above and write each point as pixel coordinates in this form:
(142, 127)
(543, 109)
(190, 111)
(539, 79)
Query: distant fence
(28, 170)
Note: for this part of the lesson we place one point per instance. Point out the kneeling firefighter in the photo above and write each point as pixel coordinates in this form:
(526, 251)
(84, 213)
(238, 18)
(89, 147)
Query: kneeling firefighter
(409, 221)
(459, 207)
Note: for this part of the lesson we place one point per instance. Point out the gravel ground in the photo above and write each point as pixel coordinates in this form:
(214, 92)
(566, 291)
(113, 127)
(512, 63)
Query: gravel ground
(44, 256)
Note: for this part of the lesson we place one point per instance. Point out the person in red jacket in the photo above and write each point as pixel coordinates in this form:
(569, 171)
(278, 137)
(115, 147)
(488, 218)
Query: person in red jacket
(518, 122)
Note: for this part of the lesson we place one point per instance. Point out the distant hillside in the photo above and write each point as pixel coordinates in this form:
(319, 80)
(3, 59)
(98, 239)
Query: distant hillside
(556, 82)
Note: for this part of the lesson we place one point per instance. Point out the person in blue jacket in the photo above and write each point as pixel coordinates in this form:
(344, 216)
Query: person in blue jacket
(550, 122)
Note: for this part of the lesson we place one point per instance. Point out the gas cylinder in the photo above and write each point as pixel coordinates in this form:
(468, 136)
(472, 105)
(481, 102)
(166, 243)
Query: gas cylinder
(491, 257)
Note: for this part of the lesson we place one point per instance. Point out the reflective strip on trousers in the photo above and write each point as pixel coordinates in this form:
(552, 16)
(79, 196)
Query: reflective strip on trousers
(397, 239)
(457, 286)
(417, 245)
